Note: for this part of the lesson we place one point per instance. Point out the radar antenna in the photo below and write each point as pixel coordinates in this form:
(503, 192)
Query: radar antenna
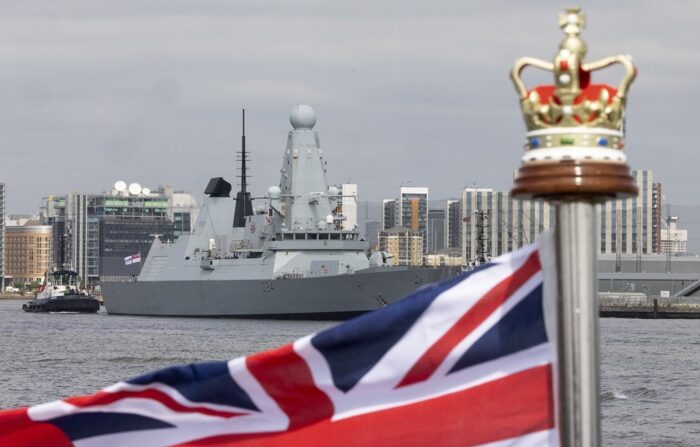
(244, 205)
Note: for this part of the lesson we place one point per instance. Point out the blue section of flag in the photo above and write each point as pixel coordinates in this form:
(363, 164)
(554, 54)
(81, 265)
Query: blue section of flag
(521, 328)
(353, 348)
(208, 382)
(86, 425)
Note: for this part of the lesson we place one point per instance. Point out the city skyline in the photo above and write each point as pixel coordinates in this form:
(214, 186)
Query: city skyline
(407, 94)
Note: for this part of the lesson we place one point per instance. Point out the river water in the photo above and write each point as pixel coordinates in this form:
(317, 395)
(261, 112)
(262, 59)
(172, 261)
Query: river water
(650, 369)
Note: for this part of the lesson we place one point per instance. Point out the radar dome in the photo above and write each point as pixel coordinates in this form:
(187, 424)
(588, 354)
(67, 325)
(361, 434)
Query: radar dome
(303, 117)
(274, 192)
(146, 191)
(134, 189)
(333, 191)
(120, 186)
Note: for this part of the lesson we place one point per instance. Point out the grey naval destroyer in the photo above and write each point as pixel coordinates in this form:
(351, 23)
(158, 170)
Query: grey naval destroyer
(288, 258)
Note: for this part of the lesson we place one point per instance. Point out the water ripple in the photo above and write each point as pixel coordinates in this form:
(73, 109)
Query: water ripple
(650, 390)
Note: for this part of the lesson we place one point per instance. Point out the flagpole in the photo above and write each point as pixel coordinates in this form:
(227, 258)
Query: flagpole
(577, 324)
(574, 158)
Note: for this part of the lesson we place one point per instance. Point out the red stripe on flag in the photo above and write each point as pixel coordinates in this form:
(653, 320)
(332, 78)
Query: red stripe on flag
(513, 406)
(286, 377)
(17, 430)
(106, 398)
(494, 298)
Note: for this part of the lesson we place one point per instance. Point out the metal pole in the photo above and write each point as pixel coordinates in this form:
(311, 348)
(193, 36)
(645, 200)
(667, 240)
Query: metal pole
(577, 321)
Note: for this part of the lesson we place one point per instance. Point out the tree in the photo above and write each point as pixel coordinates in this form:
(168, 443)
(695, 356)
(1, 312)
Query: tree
(19, 286)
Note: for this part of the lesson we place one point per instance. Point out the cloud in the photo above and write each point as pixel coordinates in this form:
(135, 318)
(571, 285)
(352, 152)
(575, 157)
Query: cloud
(151, 91)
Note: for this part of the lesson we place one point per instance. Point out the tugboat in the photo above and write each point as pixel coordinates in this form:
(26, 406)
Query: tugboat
(61, 292)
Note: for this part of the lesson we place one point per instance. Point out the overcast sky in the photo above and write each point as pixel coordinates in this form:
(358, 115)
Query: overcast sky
(407, 92)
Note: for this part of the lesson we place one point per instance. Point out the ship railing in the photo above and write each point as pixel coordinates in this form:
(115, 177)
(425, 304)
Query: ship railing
(118, 278)
(295, 275)
(313, 236)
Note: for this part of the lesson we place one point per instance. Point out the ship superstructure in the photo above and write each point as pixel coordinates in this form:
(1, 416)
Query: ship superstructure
(290, 259)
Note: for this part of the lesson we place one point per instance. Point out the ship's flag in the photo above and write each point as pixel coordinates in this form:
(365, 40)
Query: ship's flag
(133, 259)
(465, 362)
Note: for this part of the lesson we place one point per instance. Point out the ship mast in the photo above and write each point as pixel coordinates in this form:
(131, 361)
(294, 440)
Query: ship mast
(244, 206)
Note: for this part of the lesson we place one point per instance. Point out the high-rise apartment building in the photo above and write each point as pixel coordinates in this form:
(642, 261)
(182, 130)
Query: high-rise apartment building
(77, 238)
(372, 229)
(656, 206)
(495, 223)
(390, 213)
(453, 227)
(403, 244)
(436, 230)
(626, 226)
(410, 210)
(413, 210)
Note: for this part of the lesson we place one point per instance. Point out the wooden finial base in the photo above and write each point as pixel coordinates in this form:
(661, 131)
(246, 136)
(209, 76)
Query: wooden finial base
(574, 180)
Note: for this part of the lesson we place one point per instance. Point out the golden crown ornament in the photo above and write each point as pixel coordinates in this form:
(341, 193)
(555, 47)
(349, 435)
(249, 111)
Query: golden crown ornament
(575, 129)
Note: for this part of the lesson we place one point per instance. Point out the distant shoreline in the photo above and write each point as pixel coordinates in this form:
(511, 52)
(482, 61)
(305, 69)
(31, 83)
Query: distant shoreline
(650, 312)
(15, 297)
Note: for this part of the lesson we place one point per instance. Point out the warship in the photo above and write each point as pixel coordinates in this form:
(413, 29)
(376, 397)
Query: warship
(289, 258)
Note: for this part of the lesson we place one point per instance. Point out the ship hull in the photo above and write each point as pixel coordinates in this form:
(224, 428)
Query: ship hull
(69, 303)
(326, 298)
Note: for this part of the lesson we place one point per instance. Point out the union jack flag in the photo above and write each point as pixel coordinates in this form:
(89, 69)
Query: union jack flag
(462, 363)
